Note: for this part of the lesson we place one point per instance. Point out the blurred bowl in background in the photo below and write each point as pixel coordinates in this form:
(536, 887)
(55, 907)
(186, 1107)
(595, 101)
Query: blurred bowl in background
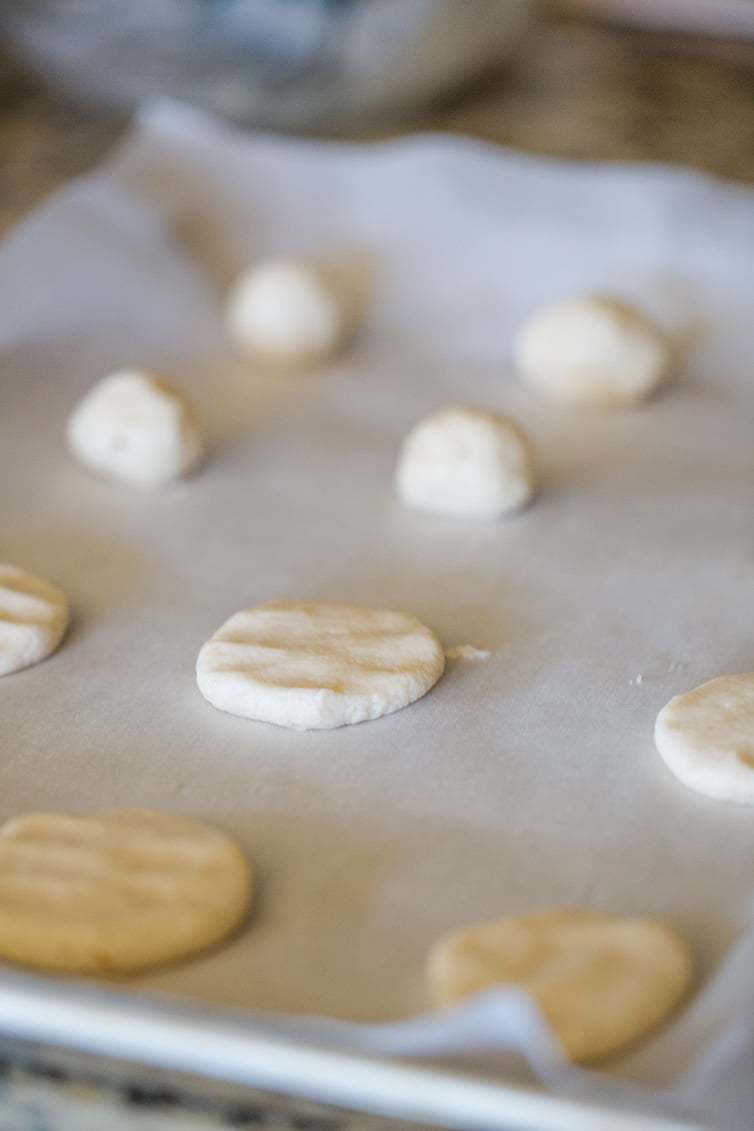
(287, 64)
(733, 18)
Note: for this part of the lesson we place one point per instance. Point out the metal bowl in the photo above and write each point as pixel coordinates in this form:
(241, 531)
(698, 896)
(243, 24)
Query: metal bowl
(293, 64)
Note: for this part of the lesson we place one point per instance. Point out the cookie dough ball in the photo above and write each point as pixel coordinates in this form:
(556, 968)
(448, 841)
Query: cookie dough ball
(34, 616)
(135, 427)
(284, 311)
(706, 738)
(317, 666)
(593, 351)
(466, 463)
(601, 982)
(117, 891)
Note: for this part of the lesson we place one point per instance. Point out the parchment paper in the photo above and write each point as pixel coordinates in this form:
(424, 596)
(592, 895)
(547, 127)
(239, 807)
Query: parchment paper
(523, 780)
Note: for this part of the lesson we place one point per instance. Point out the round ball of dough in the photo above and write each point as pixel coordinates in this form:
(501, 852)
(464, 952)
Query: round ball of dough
(137, 428)
(34, 616)
(116, 891)
(594, 351)
(466, 463)
(706, 738)
(601, 982)
(316, 666)
(285, 311)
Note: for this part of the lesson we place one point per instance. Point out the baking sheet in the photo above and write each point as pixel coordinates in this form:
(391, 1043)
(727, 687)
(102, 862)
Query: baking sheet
(524, 780)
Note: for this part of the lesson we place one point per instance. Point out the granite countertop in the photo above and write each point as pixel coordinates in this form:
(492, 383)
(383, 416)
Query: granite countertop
(576, 90)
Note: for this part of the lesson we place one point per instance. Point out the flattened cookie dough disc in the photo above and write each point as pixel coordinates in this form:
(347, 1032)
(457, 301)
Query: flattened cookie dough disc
(601, 982)
(706, 738)
(34, 616)
(116, 891)
(316, 666)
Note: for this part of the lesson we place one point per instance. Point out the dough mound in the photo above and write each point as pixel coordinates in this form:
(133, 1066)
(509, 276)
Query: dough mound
(466, 463)
(137, 428)
(284, 311)
(594, 351)
(34, 616)
(318, 666)
(601, 982)
(706, 738)
(116, 891)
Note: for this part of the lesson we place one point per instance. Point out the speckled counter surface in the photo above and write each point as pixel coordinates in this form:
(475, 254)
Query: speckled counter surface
(576, 90)
(39, 1092)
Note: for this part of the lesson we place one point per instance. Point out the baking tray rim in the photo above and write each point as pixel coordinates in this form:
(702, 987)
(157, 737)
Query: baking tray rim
(222, 1044)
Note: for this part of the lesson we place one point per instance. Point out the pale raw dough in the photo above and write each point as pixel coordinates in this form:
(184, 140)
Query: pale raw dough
(594, 351)
(601, 982)
(135, 427)
(316, 666)
(116, 891)
(34, 616)
(285, 311)
(466, 463)
(466, 652)
(706, 738)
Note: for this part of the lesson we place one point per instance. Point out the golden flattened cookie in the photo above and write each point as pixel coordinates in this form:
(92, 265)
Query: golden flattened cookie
(116, 891)
(602, 982)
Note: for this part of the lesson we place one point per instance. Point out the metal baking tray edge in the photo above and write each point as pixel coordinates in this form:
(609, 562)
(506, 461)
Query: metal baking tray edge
(221, 1044)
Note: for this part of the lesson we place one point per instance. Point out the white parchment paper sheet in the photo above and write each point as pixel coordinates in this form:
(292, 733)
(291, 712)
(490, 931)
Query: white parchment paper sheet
(524, 780)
